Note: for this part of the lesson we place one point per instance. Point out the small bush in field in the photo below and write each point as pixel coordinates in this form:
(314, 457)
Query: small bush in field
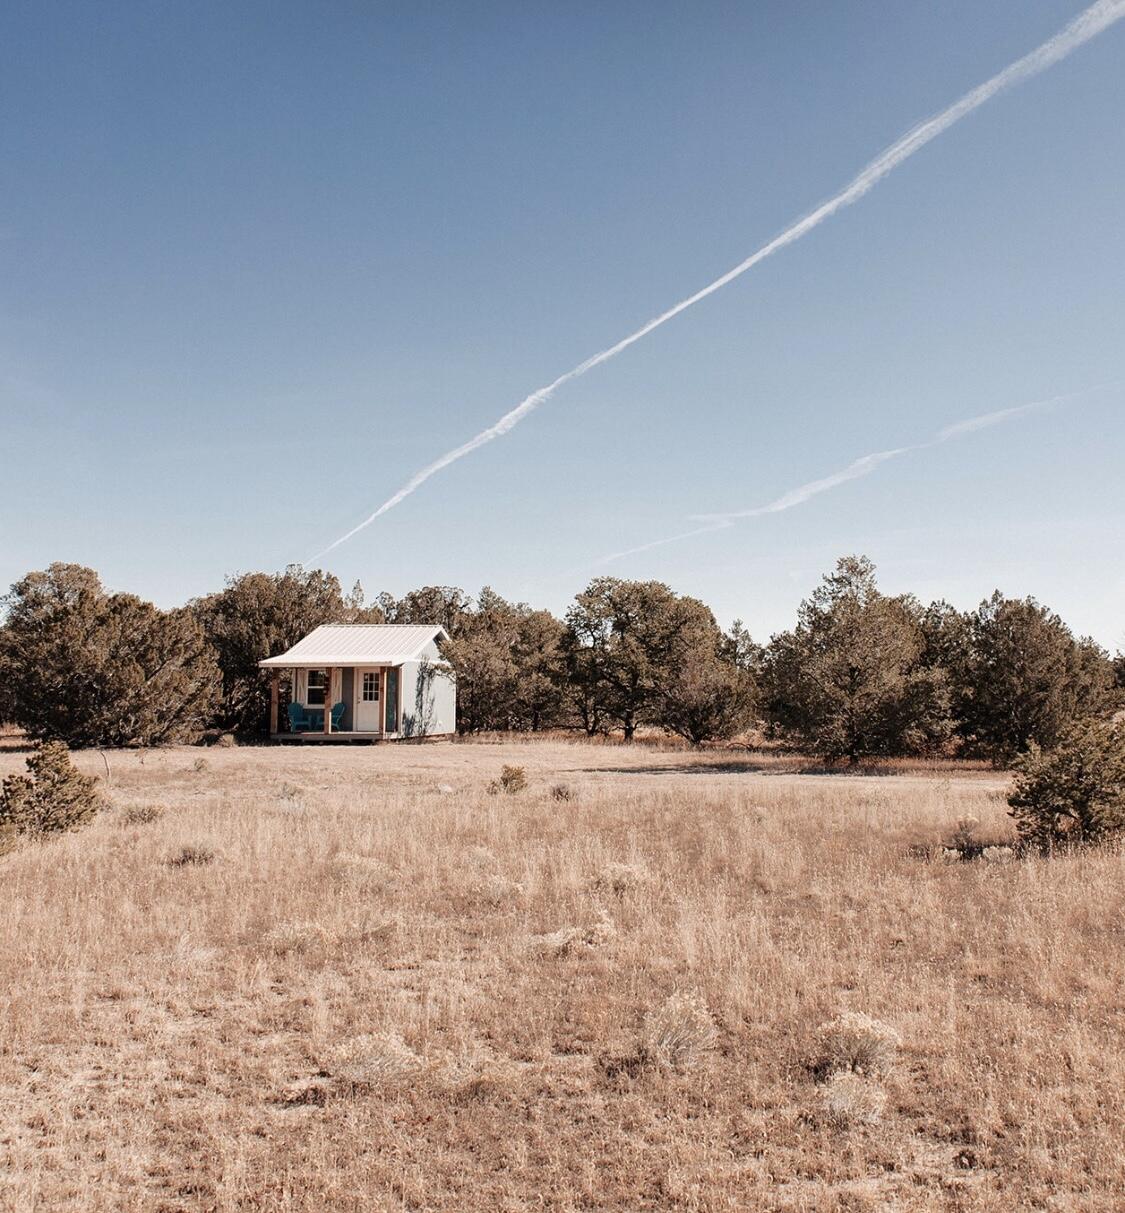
(678, 1033)
(52, 797)
(199, 765)
(192, 855)
(296, 937)
(620, 878)
(856, 1043)
(851, 1099)
(1073, 794)
(512, 780)
(142, 814)
(569, 940)
(376, 1061)
(561, 792)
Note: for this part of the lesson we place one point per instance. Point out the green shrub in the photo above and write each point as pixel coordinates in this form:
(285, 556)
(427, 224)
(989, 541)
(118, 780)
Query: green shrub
(1073, 793)
(53, 796)
(512, 780)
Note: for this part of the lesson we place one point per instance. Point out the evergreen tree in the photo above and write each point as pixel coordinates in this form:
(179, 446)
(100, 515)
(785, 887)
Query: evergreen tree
(851, 680)
(1019, 677)
(259, 615)
(92, 668)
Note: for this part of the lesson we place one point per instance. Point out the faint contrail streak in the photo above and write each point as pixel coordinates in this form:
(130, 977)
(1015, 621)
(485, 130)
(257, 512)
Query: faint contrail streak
(1088, 24)
(858, 468)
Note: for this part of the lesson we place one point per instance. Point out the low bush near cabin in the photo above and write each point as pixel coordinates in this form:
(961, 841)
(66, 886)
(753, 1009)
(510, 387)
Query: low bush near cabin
(512, 780)
(52, 797)
(141, 814)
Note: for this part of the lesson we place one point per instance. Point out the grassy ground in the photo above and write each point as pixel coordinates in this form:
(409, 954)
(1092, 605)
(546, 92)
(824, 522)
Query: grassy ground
(372, 985)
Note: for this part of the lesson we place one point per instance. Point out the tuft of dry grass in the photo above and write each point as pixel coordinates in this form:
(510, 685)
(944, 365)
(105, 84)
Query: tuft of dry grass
(854, 1042)
(141, 814)
(620, 878)
(851, 1099)
(192, 855)
(375, 1061)
(679, 1032)
(387, 998)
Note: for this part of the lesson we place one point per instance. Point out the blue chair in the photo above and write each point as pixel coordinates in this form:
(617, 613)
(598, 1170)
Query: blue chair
(338, 710)
(299, 721)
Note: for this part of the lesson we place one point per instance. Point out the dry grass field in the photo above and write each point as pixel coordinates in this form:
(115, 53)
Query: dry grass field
(353, 979)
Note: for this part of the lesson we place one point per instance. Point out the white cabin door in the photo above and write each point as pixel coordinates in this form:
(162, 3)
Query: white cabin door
(367, 701)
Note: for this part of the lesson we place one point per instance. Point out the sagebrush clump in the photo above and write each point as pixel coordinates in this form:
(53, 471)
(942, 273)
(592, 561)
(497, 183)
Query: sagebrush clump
(856, 1043)
(52, 797)
(375, 1061)
(679, 1032)
(851, 1099)
(142, 814)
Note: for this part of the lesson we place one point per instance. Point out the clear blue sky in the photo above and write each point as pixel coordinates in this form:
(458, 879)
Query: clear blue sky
(260, 262)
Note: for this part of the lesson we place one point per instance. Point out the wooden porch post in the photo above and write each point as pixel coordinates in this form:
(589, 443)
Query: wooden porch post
(328, 673)
(274, 677)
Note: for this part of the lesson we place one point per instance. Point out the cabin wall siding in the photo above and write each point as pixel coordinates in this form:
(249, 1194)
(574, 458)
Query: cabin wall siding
(429, 701)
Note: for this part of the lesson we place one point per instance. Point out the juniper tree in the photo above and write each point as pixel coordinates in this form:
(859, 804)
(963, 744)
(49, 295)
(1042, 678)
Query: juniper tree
(92, 668)
(1020, 677)
(623, 642)
(1074, 792)
(850, 680)
(53, 796)
(259, 615)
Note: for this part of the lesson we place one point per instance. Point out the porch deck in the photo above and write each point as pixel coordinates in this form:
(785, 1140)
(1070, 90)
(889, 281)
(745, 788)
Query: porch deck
(338, 736)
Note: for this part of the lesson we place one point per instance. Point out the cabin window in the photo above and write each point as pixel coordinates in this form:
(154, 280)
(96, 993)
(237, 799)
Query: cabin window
(370, 692)
(315, 697)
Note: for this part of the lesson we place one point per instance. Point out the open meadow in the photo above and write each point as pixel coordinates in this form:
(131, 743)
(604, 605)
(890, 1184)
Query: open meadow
(313, 978)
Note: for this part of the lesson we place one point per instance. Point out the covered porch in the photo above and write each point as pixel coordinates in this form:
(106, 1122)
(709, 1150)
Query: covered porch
(335, 703)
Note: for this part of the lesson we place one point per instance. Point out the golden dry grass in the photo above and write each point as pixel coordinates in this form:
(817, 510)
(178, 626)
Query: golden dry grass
(362, 992)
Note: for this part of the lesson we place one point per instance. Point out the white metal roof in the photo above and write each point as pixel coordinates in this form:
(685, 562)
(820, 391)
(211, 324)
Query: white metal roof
(358, 644)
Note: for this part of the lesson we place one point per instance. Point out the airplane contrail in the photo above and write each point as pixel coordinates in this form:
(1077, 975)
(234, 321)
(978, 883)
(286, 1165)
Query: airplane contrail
(863, 466)
(1088, 24)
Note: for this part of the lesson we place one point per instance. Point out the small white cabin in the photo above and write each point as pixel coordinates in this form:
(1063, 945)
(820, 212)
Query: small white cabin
(364, 682)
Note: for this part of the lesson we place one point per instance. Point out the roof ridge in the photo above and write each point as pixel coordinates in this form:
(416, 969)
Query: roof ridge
(379, 625)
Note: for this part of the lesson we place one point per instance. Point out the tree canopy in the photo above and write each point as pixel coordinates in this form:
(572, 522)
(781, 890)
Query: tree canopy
(850, 681)
(92, 668)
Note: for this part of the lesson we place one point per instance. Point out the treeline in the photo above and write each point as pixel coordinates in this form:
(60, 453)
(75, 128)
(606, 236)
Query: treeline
(862, 674)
